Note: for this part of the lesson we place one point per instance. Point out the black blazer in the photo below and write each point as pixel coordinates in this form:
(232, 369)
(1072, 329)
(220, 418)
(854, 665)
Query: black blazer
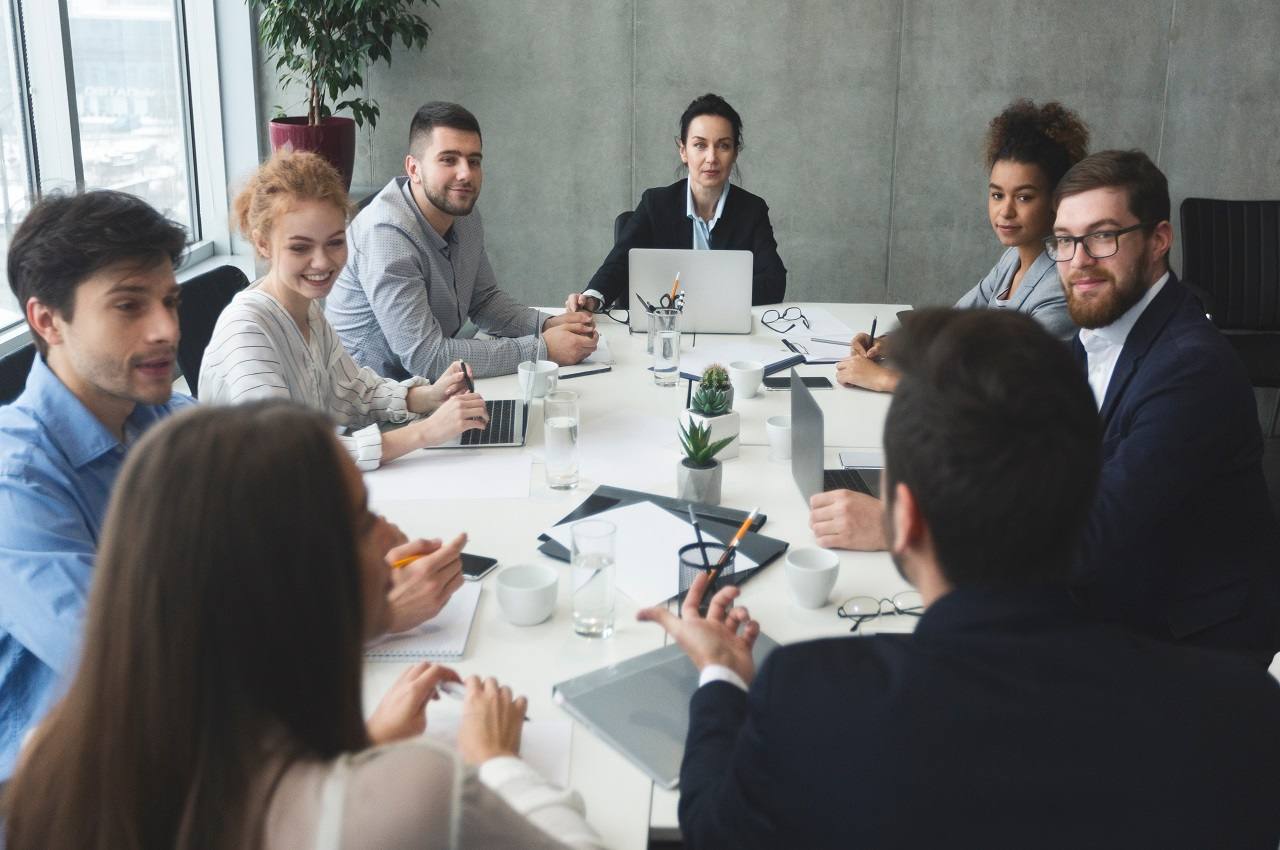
(1182, 542)
(1005, 721)
(660, 221)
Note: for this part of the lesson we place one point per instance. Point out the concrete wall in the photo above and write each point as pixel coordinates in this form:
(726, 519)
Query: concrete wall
(863, 118)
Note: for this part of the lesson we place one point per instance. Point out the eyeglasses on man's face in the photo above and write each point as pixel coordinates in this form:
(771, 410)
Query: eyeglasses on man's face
(1099, 244)
(860, 609)
(771, 318)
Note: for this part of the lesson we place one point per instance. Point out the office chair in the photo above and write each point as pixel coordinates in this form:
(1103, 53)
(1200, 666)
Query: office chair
(1231, 259)
(203, 299)
(619, 223)
(14, 368)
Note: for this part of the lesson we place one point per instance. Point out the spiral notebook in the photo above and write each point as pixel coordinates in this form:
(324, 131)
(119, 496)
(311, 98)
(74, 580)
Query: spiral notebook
(443, 636)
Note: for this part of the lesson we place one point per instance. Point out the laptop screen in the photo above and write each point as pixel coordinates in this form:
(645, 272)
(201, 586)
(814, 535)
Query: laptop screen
(806, 439)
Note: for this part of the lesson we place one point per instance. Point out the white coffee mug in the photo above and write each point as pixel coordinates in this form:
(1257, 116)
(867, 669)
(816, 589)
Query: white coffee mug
(745, 376)
(527, 593)
(812, 573)
(778, 430)
(543, 375)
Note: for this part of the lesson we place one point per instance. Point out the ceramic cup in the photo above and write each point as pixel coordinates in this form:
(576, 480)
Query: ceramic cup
(745, 376)
(542, 375)
(527, 593)
(778, 430)
(812, 573)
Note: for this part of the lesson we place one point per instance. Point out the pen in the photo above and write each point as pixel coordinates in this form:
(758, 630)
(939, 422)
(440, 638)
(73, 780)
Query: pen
(697, 529)
(466, 373)
(648, 308)
(839, 341)
(587, 372)
(733, 544)
(459, 692)
(874, 319)
(674, 288)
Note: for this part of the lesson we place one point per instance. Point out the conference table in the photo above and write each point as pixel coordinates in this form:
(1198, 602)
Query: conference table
(627, 438)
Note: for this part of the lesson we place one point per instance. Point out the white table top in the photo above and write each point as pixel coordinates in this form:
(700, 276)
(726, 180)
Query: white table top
(635, 446)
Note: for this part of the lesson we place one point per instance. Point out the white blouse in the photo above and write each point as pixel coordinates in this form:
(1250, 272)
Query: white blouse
(258, 352)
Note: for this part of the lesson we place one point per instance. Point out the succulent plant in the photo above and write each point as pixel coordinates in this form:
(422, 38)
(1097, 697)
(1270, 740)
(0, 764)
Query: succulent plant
(698, 448)
(715, 375)
(710, 401)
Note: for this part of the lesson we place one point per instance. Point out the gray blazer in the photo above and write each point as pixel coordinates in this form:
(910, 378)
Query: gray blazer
(1039, 295)
(406, 291)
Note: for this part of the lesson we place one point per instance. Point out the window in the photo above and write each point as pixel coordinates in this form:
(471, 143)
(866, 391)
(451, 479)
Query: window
(16, 174)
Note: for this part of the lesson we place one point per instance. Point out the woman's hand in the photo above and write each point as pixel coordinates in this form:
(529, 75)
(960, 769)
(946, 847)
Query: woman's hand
(863, 345)
(491, 722)
(419, 590)
(402, 713)
(453, 382)
(460, 413)
(858, 371)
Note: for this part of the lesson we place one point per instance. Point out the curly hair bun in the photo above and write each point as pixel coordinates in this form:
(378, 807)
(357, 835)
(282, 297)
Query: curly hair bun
(1049, 135)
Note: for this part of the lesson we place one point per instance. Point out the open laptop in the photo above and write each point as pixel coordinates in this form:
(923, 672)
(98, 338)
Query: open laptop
(508, 421)
(717, 286)
(807, 448)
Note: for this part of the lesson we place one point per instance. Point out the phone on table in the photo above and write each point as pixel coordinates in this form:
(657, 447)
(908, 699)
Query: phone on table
(476, 567)
(814, 383)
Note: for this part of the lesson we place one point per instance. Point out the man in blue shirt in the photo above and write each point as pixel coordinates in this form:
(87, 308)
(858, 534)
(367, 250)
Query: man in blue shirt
(95, 275)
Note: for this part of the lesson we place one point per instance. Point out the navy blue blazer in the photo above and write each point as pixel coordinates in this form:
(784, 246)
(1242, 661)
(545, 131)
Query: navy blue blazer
(1007, 720)
(1182, 542)
(661, 221)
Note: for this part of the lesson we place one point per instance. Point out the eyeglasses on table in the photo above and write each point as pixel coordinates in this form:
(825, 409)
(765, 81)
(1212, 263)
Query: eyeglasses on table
(771, 317)
(861, 609)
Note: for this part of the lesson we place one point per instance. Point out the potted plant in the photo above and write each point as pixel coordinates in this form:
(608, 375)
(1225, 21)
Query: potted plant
(710, 408)
(326, 46)
(717, 376)
(699, 474)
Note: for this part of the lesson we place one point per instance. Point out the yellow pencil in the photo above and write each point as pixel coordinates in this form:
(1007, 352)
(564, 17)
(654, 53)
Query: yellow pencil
(675, 287)
(404, 562)
(733, 544)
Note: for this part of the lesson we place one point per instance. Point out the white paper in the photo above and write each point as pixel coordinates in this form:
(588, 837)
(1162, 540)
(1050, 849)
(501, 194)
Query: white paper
(443, 636)
(646, 550)
(822, 325)
(624, 448)
(544, 744)
(725, 351)
(602, 355)
(452, 474)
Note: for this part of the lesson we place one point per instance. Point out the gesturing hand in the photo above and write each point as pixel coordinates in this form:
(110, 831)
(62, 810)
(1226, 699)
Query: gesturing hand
(402, 713)
(420, 589)
(725, 636)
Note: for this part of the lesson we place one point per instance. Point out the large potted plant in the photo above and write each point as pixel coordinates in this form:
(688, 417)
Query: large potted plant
(711, 408)
(326, 46)
(699, 474)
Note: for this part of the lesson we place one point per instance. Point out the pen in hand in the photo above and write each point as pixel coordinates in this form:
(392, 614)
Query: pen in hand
(466, 373)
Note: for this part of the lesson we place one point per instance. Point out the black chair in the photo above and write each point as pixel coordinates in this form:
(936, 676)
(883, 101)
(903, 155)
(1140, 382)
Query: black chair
(619, 223)
(14, 368)
(1231, 258)
(203, 299)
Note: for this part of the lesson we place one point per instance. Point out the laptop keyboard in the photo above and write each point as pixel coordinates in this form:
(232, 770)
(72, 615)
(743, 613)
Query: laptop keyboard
(843, 479)
(502, 425)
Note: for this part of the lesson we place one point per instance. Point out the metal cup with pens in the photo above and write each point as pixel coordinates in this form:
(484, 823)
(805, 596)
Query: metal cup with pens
(662, 315)
(701, 557)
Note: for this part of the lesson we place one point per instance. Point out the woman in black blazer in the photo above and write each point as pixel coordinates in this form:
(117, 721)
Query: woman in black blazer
(701, 211)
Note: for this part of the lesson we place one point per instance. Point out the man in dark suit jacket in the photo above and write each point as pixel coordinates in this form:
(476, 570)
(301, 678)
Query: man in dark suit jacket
(1182, 542)
(1008, 719)
(662, 221)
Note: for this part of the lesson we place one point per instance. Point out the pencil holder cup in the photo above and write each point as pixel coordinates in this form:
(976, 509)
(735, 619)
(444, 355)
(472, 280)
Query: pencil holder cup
(692, 563)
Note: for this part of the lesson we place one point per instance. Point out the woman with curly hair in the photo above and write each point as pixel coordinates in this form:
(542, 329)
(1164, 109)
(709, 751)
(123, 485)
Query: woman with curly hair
(1028, 149)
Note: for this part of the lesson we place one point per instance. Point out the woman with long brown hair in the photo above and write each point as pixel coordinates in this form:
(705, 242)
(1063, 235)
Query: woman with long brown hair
(217, 702)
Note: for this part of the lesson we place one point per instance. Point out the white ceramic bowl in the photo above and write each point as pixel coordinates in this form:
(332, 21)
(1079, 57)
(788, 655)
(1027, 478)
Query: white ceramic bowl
(527, 593)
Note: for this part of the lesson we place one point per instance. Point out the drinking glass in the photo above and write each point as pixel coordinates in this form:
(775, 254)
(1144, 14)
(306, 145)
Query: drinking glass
(560, 438)
(666, 347)
(593, 576)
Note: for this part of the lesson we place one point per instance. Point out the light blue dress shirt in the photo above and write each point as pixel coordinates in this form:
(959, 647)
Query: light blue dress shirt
(702, 229)
(57, 465)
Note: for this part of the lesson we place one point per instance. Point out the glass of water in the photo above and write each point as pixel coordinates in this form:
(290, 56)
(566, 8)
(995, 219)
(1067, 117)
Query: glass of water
(593, 577)
(666, 347)
(560, 438)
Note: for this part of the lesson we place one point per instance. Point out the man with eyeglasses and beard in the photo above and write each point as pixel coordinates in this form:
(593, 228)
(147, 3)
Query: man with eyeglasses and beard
(1182, 543)
(1009, 718)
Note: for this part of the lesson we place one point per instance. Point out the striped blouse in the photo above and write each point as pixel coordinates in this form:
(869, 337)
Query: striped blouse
(257, 352)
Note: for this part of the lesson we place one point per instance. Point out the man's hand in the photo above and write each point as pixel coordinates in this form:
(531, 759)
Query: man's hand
(725, 636)
(583, 323)
(858, 371)
(843, 519)
(420, 589)
(579, 302)
(402, 713)
(569, 342)
(491, 722)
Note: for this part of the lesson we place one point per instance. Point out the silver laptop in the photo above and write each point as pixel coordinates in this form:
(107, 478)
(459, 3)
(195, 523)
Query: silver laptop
(717, 286)
(508, 421)
(807, 447)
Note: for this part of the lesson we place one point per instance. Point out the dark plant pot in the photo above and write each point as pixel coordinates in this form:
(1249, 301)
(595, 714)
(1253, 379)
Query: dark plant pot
(333, 138)
(697, 484)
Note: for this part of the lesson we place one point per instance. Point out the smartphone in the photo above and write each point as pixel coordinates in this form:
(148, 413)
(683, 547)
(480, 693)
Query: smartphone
(813, 383)
(476, 567)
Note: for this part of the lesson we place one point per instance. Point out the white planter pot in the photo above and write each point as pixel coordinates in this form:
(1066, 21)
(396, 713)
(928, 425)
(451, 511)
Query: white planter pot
(699, 485)
(728, 425)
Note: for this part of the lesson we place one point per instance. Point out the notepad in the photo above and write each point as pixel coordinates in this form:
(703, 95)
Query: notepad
(443, 636)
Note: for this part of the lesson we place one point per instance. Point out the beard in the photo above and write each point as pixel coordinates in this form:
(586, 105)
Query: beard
(1124, 289)
(440, 200)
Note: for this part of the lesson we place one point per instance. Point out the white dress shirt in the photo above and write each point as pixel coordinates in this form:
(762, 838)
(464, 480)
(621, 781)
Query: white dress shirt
(1103, 345)
(720, 673)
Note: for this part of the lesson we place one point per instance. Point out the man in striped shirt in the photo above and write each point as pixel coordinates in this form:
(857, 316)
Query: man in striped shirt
(417, 270)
